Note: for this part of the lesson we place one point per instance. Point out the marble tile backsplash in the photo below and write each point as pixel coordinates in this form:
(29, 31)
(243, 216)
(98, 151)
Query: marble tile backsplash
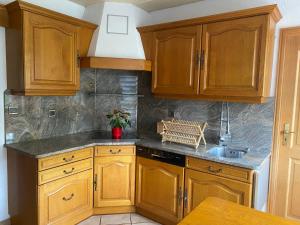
(101, 91)
(104, 90)
(251, 124)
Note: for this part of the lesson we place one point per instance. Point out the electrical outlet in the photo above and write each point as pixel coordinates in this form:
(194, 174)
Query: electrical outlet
(171, 113)
(52, 113)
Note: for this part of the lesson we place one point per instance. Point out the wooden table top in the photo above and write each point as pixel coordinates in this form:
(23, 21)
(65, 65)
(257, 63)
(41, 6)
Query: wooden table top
(215, 211)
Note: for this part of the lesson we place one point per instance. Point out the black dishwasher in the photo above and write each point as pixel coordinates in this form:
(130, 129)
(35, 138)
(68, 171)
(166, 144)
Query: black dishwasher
(160, 155)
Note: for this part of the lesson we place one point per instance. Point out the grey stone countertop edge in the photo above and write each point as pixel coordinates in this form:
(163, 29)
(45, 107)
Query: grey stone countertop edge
(253, 160)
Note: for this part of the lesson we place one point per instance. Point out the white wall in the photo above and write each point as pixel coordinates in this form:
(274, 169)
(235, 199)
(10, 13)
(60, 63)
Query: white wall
(63, 6)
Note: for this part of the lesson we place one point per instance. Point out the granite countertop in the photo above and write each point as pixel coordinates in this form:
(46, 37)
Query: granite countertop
(52, 146)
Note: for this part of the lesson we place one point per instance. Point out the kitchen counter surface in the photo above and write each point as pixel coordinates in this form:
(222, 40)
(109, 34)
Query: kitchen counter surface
(252, 160)
(52, 146)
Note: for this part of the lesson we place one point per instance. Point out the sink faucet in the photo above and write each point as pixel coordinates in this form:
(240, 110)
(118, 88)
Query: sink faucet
(224, 136)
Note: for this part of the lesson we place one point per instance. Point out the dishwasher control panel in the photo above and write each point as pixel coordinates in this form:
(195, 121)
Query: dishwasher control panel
(160, 155)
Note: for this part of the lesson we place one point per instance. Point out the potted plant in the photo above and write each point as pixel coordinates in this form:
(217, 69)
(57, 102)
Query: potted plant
(118, 120)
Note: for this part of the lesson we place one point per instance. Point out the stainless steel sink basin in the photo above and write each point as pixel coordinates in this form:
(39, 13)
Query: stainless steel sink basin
(228, 152)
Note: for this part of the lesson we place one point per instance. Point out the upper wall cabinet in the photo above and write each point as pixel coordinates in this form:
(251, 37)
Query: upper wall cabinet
(226, 57)
(175, 68)
(43, 50)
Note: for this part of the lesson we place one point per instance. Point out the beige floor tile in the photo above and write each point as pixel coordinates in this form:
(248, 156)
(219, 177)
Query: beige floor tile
(115, 219)
(136, 218)
(94, 220)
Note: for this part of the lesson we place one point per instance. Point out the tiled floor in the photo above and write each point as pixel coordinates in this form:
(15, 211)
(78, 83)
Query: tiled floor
(118, 219)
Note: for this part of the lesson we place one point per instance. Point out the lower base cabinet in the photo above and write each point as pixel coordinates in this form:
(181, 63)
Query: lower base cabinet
(66, 201)
(159, 190)
(199, 186)
(114, 181)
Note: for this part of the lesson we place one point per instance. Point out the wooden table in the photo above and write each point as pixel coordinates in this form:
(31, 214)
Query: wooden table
(214, 211)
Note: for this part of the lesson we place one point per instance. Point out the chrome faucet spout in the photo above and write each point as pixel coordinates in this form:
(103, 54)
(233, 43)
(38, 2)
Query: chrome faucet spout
(225, 135)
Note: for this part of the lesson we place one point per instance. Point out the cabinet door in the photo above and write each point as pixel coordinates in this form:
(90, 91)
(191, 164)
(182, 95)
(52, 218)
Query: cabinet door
(159, 188)
(234, 57)
(200, 185)
(50, 62)
(115, 181)
(175, 64)
(67, 200)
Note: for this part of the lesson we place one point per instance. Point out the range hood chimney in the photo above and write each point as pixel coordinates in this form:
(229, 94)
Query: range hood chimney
(116, 41)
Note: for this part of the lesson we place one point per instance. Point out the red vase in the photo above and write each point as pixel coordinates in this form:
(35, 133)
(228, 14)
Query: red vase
(117, 133)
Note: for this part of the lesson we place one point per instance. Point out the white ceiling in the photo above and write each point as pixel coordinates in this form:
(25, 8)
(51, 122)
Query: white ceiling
(148, 5)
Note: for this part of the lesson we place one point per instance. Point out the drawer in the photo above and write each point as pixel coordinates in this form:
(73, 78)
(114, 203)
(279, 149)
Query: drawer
(220, 169)
(63, 171)
(66, 201)
(114, 150)
(65, 158)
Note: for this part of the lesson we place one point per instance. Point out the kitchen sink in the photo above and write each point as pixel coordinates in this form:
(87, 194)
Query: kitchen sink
(228, 152)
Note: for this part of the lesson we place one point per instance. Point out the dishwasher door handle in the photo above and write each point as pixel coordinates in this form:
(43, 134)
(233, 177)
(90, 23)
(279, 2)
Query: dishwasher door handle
(157, 156)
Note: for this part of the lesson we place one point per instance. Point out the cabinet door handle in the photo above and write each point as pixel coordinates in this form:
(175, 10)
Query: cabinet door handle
(202, 59)
(68, 172)
(210, 169)
(114, 153)
(69, 159)
(95, 182)
(69, 198)
(78, 58)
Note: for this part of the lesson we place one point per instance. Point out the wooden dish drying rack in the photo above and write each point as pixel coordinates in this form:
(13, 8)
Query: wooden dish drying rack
(184, 132)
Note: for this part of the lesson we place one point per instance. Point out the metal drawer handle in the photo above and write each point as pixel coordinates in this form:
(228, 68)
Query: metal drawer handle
(68, 159)
(117, 152)
(210, 169)
(68, 172)
(68, 199)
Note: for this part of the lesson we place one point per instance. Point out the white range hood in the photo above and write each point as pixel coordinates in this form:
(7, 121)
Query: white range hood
(111, 39)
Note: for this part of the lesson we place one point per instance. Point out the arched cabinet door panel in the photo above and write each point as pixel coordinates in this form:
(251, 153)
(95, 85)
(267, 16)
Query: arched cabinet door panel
(200, 186)
(159, 189)
(235, 57)
(51, 48)
(175, 65)
(114, 181)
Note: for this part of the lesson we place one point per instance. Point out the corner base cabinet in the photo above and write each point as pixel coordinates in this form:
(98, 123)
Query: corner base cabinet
(159, 190)
(114, 179)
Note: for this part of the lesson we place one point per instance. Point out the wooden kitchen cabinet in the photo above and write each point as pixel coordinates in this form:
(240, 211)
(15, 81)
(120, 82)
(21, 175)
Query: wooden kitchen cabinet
(200, 186)
(56, 190)
(43, 50)
(236, 63)
(233, 52)
(159, 190)
(114, 181)
(66, 201)
(175, 64)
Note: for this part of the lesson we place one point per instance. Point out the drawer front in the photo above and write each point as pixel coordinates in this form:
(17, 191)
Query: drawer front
(66, 170)
(65, 158)
(219, 169)
(66, 199)
(114, 150)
